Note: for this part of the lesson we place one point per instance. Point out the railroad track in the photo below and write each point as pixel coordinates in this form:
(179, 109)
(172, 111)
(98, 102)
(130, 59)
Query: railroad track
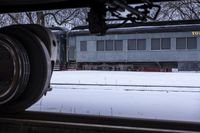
(124, 85)
(41, 122)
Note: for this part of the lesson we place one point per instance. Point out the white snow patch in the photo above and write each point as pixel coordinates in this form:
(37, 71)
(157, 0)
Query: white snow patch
(169, 103)
(127, 78)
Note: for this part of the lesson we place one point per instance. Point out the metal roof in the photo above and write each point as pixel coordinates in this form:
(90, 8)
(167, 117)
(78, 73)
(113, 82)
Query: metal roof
(179, 26)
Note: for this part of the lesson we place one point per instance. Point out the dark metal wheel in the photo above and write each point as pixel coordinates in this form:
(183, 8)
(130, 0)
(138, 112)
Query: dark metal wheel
(40, 69)
(14, 69)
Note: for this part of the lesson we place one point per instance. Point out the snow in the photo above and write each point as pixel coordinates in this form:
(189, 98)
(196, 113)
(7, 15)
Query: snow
(158, 101)
(127, 78)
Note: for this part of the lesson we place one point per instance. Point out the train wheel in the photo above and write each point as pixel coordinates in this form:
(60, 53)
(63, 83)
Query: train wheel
(38, 69)
(14, 69)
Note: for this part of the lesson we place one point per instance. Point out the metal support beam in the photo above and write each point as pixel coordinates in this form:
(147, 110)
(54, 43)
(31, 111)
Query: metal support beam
(56, 123)
(25, 5)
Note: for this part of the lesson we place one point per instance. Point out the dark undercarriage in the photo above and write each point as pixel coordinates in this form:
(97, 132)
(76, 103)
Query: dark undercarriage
(129, 66)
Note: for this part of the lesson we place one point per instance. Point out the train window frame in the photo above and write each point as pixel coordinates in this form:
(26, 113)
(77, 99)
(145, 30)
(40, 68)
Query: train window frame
(132, 46)
(99, 44)
(162, 44)
(145, 44)
(185, 43)
(109, 45)
(118, 46)
(195, 44)
(154, 44)
(83, 46)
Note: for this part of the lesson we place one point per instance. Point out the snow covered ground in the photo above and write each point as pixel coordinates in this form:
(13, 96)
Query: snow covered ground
(154, 97)
(129, 78)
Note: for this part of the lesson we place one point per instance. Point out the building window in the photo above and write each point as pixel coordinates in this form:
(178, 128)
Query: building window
(100, 45)
(165, 43)
(191, 43)
(181, 43)
(155, 44)
(132, 44)
(141, 44)
(83, 45)
(109, 45)
(118, 45)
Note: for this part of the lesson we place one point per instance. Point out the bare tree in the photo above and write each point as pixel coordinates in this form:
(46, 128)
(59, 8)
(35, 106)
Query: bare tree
(180, 10)
(64, 17)
(67, 18)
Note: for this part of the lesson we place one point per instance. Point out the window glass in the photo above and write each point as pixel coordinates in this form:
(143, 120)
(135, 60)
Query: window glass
(100, 45)
(118, 45)
(141, 44)
(109, 45)
(132, 44)
(191, 43)
(165, 43)
(83, 46)
(181, 43)
(155, 44)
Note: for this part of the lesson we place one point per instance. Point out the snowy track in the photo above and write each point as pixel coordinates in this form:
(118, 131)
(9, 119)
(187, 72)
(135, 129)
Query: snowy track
(121, 85)
(127, 78)
(117, 99)
(159, 88)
